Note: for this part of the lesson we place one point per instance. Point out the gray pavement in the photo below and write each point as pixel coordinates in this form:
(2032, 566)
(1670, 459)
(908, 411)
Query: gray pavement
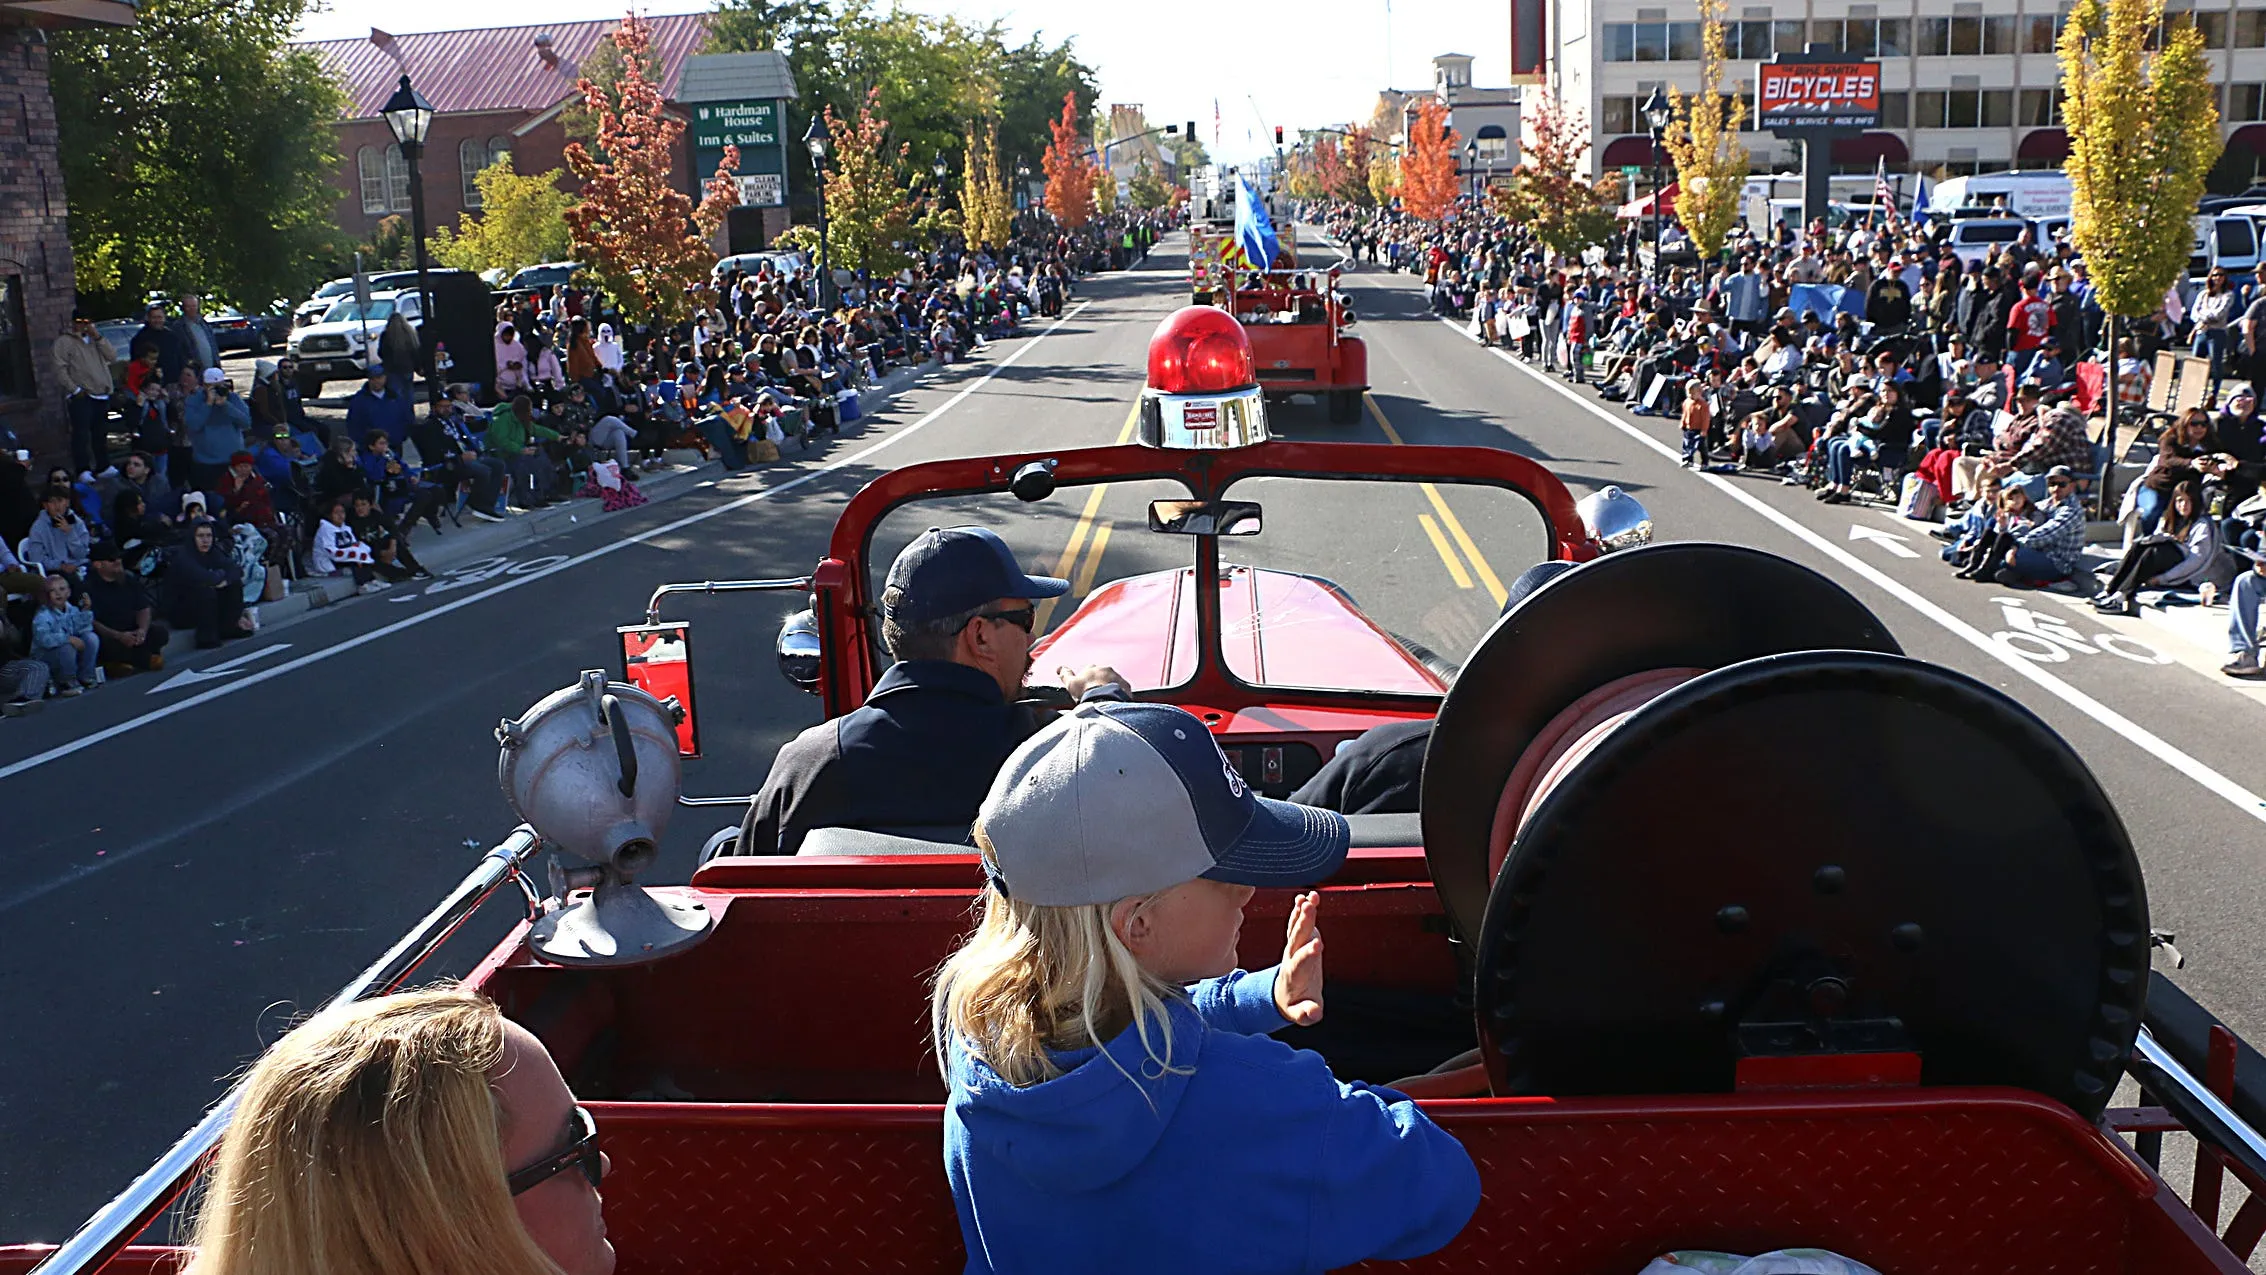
(189, 865)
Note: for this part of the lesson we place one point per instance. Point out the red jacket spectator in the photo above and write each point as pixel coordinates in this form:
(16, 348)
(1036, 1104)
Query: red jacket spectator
(2029, 322)
(248, 496)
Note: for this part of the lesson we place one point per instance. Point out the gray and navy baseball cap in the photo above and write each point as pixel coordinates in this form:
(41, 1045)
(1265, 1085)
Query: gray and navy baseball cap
(950, 570)
(1118, 799)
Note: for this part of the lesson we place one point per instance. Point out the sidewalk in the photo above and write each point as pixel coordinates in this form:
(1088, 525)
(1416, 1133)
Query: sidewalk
(477, 539)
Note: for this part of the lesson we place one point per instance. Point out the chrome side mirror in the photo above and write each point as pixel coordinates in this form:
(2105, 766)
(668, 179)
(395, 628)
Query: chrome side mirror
(801, 653)
(1615, 519)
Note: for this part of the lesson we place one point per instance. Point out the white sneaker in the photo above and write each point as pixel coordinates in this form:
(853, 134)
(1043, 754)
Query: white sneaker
(375, 586)
(67, 690)
(253, 614)
(484, 516)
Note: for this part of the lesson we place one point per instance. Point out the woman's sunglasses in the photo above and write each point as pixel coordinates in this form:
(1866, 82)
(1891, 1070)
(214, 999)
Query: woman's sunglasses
(580, 1152)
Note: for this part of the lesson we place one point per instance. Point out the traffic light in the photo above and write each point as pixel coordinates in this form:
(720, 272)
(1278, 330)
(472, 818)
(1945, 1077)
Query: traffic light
(1278, 137)
(1172, 130)
(1188, 130)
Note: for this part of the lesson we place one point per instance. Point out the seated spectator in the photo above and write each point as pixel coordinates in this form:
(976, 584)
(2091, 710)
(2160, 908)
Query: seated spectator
(204, 588)
(2183, 553)
(59, 539)
(2177, 451)
(397, 487)
(62, 636)
(517, 438)
(2033, 544)
(340, 473)
(452, 458)
(136, 473)
(134, 533)
(338, 549)
(23, 680)
(129, 640)
(389, 548)
(1965, 531)
(2243, 601)
(420, 1131)
(246, 496)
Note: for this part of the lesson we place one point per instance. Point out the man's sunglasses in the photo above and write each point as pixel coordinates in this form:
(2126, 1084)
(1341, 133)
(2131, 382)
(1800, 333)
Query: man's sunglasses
(1024, 618)
(580, 1152)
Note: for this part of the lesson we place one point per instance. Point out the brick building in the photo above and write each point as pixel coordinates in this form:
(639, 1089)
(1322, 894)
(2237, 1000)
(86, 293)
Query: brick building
(37, 283)
(495, 91)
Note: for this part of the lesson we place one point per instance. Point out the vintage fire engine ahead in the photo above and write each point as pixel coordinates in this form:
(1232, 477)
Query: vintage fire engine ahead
(1765, 933)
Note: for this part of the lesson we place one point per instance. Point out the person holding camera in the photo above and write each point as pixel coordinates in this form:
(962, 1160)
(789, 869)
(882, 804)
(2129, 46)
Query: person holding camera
(215, 418)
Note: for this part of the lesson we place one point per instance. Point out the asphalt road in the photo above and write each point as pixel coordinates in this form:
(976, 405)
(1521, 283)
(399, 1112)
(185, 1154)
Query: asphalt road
(190, 862)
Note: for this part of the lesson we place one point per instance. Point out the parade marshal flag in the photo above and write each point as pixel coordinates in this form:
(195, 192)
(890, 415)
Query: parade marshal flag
(1254, 233)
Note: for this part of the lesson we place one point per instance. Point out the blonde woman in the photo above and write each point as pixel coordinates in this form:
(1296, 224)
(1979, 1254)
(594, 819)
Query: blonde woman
(1116, 1103)
(413, 1134)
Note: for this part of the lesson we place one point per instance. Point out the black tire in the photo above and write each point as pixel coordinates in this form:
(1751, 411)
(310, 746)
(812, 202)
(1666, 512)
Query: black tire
(1345, 407)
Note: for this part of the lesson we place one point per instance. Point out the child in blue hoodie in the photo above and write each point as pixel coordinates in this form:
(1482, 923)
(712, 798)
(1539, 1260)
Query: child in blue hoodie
(1116, 1101)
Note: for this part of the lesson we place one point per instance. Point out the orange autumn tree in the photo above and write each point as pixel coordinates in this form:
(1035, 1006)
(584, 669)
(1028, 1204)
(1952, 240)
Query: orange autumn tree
(1428, 165)
(644, 239)
(1069, 177)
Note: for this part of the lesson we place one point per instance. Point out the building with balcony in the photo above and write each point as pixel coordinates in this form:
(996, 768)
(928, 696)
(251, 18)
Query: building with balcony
(1966, 86)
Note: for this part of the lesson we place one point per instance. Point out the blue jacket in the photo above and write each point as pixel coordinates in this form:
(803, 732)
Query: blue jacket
(1247, 1156)
(390, 411)
(52, 629)
(215, 433)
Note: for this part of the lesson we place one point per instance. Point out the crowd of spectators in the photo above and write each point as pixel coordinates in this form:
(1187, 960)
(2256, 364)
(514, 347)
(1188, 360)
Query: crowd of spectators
(1871, 361)
(188, 501)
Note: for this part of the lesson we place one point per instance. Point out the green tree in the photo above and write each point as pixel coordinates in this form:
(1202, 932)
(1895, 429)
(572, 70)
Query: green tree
(987, 207)
(522, 222)
(869, 215)
(199, 150)
(1711, 161)
(1148, 189)
(2143, 135)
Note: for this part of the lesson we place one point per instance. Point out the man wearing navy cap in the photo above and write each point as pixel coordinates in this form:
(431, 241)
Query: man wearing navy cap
(957, 613)
(380, 405)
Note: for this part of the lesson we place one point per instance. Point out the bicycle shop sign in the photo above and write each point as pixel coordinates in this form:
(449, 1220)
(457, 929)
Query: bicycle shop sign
(1796, 93)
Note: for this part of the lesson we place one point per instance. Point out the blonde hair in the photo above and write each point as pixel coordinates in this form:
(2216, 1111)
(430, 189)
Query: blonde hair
(369, 1142)
(1033, 978)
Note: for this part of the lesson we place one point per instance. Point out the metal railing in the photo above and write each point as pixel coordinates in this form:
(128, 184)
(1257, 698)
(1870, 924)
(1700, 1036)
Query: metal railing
(162, 1183)
(653, 605)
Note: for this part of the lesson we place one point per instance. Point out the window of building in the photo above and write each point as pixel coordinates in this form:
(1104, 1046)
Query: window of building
(1786, 37)
(1895, 37)
(1963, 108)
(15, 338)
(1827, 31)
(1683, 41)
(1966, 36)
(370, 168)
(397, 180)
(2039, 31)
(1617, 115)
(1931, 37)
(1748, 41)
(2213, 26)
(471, 157)
(1494, 144)
(1620, 42)
(1896, 110)
(1998, 33)
(1860, 37)
(1651, 42)
(2250, 28)
(1998, 108)
(2246, 103)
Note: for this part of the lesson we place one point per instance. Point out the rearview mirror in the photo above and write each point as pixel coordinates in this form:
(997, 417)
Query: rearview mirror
(1205, 517)
(657, 659)
(801, 653)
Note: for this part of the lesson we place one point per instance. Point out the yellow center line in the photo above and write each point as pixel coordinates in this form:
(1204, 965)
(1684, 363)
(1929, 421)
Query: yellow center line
(1085, 582)
(1447, 555)
(1448, 519)
(1067, 564)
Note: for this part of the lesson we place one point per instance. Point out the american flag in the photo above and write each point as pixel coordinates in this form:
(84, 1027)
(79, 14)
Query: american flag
(1882, 195)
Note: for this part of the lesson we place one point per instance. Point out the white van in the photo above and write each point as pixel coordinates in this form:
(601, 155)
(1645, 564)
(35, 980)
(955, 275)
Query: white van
(2032, 194)
(2225, 241)
(1972, 238)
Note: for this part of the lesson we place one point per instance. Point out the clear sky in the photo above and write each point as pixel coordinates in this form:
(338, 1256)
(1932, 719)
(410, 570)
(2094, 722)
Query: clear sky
(1174, 57)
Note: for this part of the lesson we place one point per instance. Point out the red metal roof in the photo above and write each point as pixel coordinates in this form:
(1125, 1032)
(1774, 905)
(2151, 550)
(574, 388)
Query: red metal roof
(495, 68)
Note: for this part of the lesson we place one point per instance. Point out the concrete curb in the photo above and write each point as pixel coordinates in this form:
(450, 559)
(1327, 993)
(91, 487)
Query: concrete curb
(478, 539)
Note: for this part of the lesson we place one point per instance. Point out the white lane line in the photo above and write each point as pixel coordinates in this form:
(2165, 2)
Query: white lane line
(513, 582)
(2138, 736)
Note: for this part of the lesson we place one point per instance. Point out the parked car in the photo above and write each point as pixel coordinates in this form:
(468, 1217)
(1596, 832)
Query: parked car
(343, 342)
(257, 332)
(549, 274)
(120, 334)
(313, 308)
(1972, 238)
(337, 348)
(780, 261)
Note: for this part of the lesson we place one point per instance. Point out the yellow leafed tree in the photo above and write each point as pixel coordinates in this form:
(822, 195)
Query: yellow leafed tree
(1703, 139)
(987, 208)
(2143, 134)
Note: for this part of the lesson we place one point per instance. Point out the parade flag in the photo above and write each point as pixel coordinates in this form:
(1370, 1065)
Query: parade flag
(1254, 231)
(1882, 195)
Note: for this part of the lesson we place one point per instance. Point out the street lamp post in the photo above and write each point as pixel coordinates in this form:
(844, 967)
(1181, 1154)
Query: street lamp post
(1471, 166)
(814, 139)
(1657, 113)
(410, 117)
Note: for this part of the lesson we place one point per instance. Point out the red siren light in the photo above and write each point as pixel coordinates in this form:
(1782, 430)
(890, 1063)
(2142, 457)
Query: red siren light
(1200, 349)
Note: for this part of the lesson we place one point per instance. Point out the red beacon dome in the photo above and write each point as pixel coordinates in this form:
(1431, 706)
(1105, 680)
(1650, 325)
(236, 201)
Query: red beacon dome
(1200, 349)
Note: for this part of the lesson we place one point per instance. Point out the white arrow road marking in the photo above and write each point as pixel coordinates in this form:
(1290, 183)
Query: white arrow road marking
(190, 677)
(1888, 540)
